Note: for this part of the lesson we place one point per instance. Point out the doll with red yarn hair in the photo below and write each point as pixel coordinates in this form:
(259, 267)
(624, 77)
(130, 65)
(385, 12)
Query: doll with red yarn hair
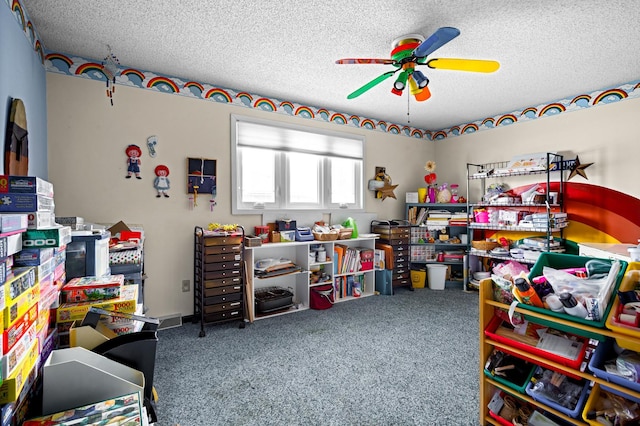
(133, 161)
(161, 183)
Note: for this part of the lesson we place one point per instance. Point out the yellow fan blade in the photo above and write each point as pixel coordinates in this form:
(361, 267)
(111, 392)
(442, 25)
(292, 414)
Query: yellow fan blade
(472, 65)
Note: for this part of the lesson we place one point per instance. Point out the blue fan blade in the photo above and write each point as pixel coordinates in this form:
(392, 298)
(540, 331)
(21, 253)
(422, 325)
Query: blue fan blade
(438, 39)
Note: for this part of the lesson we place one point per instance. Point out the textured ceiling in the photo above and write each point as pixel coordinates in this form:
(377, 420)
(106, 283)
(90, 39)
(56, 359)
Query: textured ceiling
(286, 49)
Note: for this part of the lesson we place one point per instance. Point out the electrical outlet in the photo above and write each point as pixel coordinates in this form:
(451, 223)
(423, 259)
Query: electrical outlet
(186, 285)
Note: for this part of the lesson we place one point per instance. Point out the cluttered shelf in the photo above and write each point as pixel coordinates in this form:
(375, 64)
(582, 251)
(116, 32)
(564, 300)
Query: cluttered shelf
(576, 349)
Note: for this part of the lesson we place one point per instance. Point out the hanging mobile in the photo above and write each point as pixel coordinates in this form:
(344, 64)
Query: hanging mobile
(110, 69)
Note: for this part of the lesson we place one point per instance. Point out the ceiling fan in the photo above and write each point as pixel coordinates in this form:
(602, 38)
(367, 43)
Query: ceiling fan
(411, 50)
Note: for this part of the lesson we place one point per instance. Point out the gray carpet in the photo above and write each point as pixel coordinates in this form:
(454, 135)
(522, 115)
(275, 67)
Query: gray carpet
(407, 359)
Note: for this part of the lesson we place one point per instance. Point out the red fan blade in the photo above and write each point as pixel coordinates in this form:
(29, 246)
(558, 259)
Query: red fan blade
(359, 61)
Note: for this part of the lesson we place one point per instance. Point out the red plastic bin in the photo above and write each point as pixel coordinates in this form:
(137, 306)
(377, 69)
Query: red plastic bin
(495, 322)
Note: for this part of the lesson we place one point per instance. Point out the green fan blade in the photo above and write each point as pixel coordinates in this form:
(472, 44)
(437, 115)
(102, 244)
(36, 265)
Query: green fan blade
(371, 84)
(472, 65)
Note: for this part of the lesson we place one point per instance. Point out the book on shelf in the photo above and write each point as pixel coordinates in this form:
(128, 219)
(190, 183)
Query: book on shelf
(541, 242)
(422, 214)
(439, 214)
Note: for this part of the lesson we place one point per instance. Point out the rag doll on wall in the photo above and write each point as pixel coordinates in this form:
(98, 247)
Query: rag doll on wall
(161, 183)
(133, 161)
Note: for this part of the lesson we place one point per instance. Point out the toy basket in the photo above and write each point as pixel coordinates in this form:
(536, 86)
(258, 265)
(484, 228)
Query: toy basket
(326, 236)
(484, 245)
(345, 233)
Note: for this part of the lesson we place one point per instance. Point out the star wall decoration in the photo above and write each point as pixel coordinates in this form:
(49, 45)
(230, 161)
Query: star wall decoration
(578, 169)
(387, 191)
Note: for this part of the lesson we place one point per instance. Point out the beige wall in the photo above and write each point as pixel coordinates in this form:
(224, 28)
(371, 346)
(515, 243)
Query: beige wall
(87, 166)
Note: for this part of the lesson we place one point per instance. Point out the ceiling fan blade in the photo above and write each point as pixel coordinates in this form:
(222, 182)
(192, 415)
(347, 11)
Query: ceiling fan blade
(371, 84)
(438, 39)
(423, 95)
(358, 61)
(472, 65)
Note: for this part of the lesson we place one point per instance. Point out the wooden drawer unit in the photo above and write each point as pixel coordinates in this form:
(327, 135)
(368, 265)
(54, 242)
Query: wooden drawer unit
(396, 235)
(219, 293)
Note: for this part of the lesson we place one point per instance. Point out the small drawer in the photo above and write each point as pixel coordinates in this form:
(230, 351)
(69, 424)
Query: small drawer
(214, 275)
(224, 257)
(217, 291)
(222, 249)
(221, 307)
(222, 241)
(221, 266)
(222, 282)
(223, 299)
(224, 315)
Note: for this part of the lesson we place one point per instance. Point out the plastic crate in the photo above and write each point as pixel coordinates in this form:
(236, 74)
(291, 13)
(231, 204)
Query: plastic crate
(563, 261)
(575, 412)
(592, 402)
(604, 352)
(523, 365)
(495, 322)
(629, 281)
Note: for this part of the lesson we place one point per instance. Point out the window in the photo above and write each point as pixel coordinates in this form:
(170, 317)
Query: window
(284, 167)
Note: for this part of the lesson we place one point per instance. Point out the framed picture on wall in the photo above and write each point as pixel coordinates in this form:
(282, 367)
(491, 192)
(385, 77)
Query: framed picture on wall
(201, 176)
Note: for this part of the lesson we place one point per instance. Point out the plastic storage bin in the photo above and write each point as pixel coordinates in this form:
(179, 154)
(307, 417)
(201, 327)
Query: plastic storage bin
(603, 353)
(571, 412)
(491, 332)
(563, 261)
(593, 402)
(628, 283)
(524, 370)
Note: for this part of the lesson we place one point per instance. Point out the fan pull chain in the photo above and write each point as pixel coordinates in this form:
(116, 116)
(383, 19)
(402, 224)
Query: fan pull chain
(408, 116)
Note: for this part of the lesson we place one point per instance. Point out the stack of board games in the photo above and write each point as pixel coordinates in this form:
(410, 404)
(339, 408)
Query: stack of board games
(68, 313)
(31, 280)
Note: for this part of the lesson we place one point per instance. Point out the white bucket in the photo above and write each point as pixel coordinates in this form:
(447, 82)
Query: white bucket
(436, 275)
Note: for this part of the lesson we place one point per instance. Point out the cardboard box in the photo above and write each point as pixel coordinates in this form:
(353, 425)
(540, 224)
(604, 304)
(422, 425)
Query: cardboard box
(10, 244)
(12, 334)
(11, 387)
(37, 220)
(20, 350)
(77, 371)
(70, 220)
(11, 222)
(33, 256)
(21, 280)
(76, 311)
(84, 289)
(44, 238)
(14, 311)
(25, 185)
(125, 410)
(26, 203)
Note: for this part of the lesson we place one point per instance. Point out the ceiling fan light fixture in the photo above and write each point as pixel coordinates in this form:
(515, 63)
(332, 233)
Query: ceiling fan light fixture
(413, 87)
(420, 79)
(401, 81)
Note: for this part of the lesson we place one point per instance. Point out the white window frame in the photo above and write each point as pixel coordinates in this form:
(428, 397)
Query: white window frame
(327, 145)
